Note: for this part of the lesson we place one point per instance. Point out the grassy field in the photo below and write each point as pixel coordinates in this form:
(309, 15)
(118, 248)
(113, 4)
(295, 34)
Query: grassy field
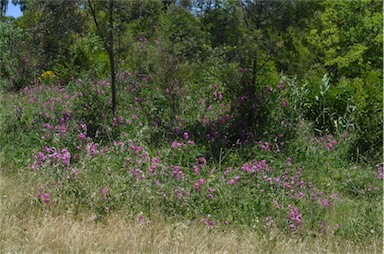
(27, 229)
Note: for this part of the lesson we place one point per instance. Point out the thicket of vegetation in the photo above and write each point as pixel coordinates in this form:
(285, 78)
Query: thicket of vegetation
(236, 112)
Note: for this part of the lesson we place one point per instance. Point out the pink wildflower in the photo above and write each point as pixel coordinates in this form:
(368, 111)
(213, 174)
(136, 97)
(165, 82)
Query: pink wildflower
(82, 136)
(46, 197)
(196, 169)
(41, 156)
(83, 127)
(379, 171)
(234, 180)
(66, 156)
(266, 147)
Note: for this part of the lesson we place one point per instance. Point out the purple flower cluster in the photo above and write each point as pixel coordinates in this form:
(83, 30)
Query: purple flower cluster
(44, 196)
(51, 155)
(379, 171)
(294, 217)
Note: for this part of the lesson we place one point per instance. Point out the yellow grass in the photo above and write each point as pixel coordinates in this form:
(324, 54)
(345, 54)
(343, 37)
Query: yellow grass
(27, 229)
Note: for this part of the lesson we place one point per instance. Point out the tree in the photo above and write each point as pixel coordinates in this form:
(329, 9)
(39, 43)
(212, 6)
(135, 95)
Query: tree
(52, 25)
(106, 34)
(347, 40)
(23, 4)
(3, 7)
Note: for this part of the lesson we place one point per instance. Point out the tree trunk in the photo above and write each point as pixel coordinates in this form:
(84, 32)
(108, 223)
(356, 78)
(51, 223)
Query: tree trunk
(112, 56)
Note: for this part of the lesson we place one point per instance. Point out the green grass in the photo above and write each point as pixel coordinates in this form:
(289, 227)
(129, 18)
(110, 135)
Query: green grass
(27, 228)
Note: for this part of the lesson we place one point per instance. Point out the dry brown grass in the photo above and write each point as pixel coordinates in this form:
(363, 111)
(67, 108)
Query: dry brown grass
(25, 229)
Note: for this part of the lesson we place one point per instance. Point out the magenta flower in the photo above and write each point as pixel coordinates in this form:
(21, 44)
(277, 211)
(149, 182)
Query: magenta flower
(176, 145)
(176, 170)
(63, 129)
(234, 180)
(83, 127)
(287, 185)
(141, 218)
(185, 135)
(325, 203)
(41, 156)
(48, 126)
(196, 169)
(144, 155)
(266, 147)
(82, 136)
(246, 167)
(220, 96)
(152, 168)
(46, 197)
(324, 229)
(201, 161)
(379, 171)
(66, 156)
(135, 149)
(294, 217)
(201, 181)
(91, 149)
(211, 223)
(330, 146)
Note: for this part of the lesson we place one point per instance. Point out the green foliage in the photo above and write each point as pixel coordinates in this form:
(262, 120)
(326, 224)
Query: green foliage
(88, 58)
(181, 32)
(53, 25)
(16, 66)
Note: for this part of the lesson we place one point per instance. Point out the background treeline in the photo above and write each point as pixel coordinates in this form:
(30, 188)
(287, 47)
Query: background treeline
(333, 49)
